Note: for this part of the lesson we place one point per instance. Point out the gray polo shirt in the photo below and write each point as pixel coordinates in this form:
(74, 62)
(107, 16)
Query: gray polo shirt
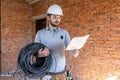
(56, 41)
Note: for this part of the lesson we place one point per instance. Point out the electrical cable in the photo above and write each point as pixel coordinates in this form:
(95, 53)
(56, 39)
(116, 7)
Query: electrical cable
(33, 70)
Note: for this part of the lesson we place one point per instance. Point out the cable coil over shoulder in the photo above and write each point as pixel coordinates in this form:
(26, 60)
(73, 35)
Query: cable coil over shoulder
(24, 61)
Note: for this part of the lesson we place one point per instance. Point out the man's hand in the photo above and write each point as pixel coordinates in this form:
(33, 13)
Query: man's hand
(43, 52)
(74, 52)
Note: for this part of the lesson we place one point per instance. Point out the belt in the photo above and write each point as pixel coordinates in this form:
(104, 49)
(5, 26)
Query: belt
(56, 73)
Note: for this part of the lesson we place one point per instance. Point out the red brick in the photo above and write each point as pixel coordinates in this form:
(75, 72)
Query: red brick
(99, 57)
(15, 31)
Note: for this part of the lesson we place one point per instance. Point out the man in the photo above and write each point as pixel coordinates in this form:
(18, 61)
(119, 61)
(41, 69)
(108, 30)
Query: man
(56, 39)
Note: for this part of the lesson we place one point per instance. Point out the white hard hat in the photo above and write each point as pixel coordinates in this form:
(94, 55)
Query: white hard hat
(55, 9)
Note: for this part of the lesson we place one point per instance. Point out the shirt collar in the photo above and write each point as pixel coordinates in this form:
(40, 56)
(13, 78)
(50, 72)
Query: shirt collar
(48, 28)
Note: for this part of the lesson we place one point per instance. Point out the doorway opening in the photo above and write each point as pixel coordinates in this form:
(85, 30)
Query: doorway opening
(40, 24)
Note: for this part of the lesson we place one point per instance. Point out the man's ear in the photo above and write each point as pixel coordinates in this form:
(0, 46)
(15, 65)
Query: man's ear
(48, 18)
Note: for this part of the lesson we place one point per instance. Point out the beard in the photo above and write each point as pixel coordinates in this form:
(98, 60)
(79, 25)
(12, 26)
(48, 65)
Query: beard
(55, 24)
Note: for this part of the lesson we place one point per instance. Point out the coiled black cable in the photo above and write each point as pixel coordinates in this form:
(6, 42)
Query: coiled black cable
(37, 70)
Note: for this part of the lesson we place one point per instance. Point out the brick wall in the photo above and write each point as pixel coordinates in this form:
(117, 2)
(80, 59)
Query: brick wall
(16, 31)
(0, 39)
(99, 59)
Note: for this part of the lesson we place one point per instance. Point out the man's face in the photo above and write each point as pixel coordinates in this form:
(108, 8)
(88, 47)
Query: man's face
(54, 20)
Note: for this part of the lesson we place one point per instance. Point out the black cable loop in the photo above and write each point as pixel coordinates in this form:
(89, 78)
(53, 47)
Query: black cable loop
(24, 61)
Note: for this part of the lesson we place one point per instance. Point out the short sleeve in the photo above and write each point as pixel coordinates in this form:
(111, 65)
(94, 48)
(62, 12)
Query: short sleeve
(37, 38)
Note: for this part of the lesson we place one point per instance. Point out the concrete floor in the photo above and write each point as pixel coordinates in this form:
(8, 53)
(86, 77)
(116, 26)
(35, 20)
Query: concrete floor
(15, 77)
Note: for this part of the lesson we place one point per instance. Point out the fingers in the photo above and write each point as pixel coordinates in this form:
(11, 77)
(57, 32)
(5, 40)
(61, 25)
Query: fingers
(43, 53)
(40, 51)
(46, 51)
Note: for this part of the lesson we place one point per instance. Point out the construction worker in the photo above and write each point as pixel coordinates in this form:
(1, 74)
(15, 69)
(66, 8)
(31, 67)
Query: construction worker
(56, 39)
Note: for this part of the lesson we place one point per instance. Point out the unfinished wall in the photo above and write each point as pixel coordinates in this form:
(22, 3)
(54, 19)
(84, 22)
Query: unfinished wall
(16, 31)
(0, 38)
(99, 59)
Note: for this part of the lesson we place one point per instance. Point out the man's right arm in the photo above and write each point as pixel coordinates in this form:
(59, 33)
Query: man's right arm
(37, 38)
